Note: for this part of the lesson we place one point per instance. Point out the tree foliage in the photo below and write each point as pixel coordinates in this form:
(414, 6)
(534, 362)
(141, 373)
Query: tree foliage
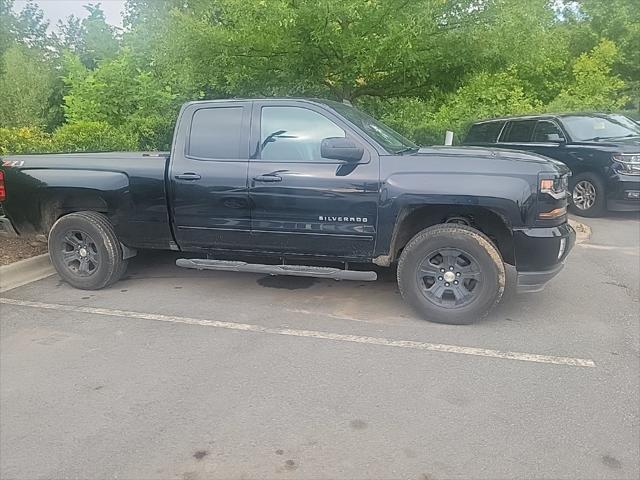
(423, 66)
(593, 86)
(26, 84)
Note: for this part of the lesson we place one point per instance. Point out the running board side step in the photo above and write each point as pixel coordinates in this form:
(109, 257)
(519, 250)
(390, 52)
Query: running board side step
(295, 270)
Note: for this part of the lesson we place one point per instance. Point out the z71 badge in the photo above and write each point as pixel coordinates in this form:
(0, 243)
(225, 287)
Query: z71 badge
(323, 218)
(12, 163)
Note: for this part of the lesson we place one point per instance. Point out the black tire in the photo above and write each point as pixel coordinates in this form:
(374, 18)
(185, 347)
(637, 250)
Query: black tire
(591, 182)
(485, 265)
(85, 251)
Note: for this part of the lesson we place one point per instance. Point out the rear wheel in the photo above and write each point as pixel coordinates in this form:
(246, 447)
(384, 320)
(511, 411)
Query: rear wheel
(588, 195)
(85, 250)
(451, 274)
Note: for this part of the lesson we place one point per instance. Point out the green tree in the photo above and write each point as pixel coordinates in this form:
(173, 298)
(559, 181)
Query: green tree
(26, 86)
(594, 86)
(31, 29)
(347, 49)
(91, 38)
(5, 28)
(119, 94)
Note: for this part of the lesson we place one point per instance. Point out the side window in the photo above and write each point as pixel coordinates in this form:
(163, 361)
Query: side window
(544, 128)
(519, 131)
(216, 133)
(486, 132)
(294, 134)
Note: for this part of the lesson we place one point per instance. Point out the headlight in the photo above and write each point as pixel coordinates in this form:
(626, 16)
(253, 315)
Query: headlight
(627, 163)
(555, 187)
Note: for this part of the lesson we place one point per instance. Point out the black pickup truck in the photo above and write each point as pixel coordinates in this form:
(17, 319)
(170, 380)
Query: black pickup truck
(315, 187)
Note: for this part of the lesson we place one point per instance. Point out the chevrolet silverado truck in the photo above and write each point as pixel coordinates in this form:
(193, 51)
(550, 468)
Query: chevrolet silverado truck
(312, 187)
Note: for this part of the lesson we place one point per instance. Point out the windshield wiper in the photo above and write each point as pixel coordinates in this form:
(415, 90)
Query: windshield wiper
(406, 149)
(596, 139)
(626, 136)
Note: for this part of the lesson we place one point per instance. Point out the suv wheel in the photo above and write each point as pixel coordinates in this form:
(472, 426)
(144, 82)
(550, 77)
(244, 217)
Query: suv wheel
(451, 274)
(587, 195)
(85, 251)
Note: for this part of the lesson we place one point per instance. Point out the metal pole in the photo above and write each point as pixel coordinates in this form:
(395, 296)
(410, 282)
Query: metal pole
(448, 138)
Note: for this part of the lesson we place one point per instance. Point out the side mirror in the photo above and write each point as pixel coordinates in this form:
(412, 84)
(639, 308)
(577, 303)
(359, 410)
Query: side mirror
(554, 138)
(340, 148)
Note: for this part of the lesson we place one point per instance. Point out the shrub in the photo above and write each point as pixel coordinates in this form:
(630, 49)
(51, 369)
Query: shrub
(24, 140)
(92, 137)
(76, 137)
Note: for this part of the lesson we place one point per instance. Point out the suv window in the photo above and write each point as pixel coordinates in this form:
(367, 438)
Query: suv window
(595, 127)
(294, 134)
(544, 128)
(519, 131)
(216, 133)
(486, 132)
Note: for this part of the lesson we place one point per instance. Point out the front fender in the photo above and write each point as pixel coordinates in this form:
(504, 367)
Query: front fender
(512, 198)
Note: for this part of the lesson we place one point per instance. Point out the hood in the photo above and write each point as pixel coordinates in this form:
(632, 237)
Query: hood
(493, 155)
(622, 145)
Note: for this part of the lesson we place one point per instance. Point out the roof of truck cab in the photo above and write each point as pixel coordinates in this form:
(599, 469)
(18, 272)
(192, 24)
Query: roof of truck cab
(322, 102)
(264, 99)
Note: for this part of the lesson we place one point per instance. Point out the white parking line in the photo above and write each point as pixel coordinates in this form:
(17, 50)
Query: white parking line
(435, 347)
(635, 251)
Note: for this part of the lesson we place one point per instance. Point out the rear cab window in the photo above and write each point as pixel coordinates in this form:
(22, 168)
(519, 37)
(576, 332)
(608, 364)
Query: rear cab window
(216, 134)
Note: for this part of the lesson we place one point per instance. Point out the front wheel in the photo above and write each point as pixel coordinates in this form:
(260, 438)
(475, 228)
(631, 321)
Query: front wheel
(85, 250)
(588, 195)
(451, 274)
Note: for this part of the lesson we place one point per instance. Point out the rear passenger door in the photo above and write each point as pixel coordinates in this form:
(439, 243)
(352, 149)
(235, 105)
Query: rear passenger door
(517, 134)
(208, 177)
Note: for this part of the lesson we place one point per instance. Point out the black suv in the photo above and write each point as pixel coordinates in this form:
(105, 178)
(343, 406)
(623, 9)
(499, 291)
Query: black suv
(602, 151)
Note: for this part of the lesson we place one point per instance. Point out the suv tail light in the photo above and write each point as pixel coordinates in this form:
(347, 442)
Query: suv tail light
(3, 191)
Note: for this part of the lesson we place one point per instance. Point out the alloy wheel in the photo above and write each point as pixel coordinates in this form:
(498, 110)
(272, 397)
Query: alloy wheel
(80, 253)
(584, 195)
(449, 278)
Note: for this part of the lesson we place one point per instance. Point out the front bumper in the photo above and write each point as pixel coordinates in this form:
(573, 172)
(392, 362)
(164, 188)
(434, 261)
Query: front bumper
(623, 193)
(529, 282)
(6, 227)
(540, 254)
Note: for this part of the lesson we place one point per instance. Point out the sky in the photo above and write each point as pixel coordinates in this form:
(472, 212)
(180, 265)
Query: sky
(55, 10)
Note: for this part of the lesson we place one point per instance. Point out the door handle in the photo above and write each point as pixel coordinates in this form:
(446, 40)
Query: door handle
(268, 178)
(188, 176)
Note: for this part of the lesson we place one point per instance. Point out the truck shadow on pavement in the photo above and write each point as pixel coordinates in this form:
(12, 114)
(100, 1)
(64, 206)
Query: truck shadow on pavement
(372, 302)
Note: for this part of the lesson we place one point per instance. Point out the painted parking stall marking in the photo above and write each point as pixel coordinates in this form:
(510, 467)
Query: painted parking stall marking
(387, 342)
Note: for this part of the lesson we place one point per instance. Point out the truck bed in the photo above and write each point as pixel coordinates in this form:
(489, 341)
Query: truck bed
(127, 186)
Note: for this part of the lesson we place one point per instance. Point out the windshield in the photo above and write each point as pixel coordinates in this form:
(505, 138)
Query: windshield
(385, 136)
(595, 128)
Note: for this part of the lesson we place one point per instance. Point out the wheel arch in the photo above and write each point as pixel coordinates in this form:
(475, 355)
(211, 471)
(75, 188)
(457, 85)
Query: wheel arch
(64, 201)
(412, 220)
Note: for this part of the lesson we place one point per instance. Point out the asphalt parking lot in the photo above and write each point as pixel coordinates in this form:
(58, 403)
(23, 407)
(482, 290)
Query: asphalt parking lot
(179, 374)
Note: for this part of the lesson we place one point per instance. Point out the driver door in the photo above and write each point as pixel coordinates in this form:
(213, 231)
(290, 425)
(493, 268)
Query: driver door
(302, 203)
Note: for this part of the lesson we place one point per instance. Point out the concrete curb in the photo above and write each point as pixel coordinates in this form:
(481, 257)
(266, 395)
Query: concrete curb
(583, 231)
(25, 271)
